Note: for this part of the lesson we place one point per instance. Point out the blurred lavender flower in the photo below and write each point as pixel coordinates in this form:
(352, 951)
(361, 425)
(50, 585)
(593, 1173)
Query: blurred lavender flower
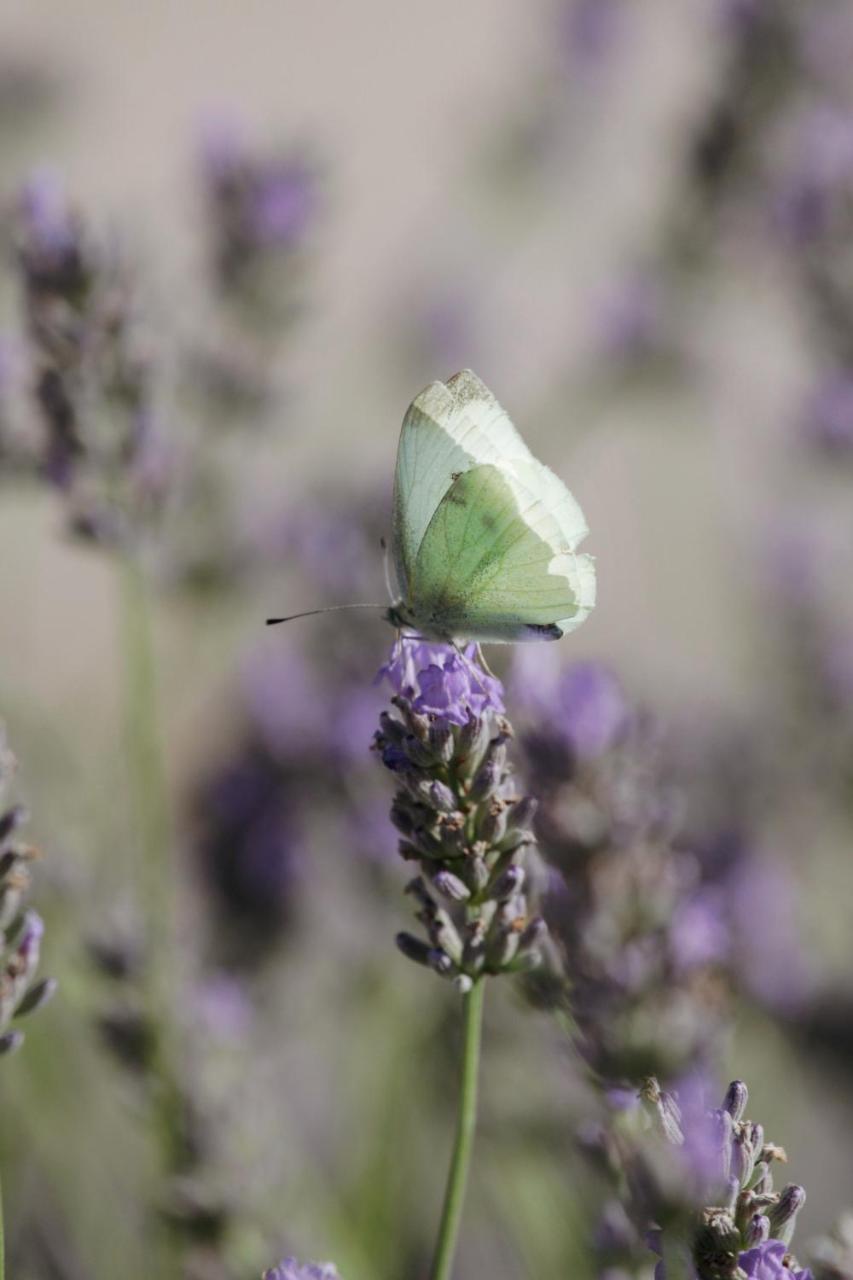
(771, 1261)
(248, 835)
(705, 1176)
(828, 419)
(457, 813)
(832, 1255)
(260, 210)
(290, 1269)
(299, 749)
(92, 383)
(20, 931)
(633, 321)
(642, 944)
(588, 30)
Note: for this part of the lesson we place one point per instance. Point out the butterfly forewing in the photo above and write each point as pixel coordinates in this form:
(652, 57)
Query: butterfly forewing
(484, 535)
(447, 429)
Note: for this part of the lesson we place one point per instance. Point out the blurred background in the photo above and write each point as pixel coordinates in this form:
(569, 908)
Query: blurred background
(237, 240)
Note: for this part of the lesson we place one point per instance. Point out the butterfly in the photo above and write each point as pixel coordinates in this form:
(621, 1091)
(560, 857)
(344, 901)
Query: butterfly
(484, 537)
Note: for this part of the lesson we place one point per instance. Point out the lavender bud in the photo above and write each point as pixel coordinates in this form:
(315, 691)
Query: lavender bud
(757, 1230)
(737, 1096)
(451, 887)
(783, 1215)
(493, 824)
(502, 945)
(533, 935)
(743, 1155)
(414, 949)
(722, 1126)
(444, 935)
(523, 812)
(439, 795)
(11, 1041)
(441, 742)
(491, 771)
(508, 882)
(762, 1179)
(478, 872)
(472, 741)
(37, 997)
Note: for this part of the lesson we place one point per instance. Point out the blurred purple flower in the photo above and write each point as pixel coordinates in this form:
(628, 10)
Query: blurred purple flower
(588, 30)
(260, 208)
(700, 935)
(283, 203)
(767, 1262)
(766, 947)
(584, 705)
(630, 319)
(442, 681)
(47, 220)
(828, 418)
(290, 1269)
(224, 1006)
(817, 174)
(285, 701)
(248, 837)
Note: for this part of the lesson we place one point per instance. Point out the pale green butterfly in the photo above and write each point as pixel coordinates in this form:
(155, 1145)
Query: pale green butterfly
(484, 537)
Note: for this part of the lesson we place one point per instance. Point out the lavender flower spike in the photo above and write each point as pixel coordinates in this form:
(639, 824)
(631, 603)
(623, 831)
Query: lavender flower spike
(20, 933)
(290, 1269)
(458, 814)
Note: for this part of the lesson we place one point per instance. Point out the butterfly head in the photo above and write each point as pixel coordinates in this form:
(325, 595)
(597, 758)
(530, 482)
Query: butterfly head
(398, 616)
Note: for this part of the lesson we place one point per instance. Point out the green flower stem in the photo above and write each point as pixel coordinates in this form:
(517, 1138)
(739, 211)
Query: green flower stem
(149, 798)
(146, 775)
(454, 1196)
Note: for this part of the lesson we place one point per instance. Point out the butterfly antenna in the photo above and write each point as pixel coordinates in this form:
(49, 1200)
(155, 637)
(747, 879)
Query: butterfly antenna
(329, 608)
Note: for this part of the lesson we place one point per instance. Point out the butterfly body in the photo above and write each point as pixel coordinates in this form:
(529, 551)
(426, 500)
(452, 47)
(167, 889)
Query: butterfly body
(484, 536)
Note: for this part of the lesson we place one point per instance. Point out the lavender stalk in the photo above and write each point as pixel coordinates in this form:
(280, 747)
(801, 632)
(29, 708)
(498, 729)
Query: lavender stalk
(20, 936)
(461, 821)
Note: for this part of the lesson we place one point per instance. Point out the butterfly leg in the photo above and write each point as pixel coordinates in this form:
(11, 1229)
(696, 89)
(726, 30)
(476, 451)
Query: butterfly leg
(481, 658)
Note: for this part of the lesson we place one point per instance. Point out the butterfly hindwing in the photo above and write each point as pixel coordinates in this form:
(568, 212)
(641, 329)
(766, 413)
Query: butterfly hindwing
(496, 562)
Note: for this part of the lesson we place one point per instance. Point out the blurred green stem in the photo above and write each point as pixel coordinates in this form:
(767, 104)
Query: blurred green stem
(143, 748)
(2, 1239)
(152, 827)
(454, 1196)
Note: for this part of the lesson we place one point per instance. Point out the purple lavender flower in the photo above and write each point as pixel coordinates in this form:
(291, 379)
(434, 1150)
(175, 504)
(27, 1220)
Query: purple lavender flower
(828, 420)
(634, 971)
(708, 1176)
(812, 192)
(767, 1261)
(442, 681)
(457, 813)
(92, 384)
(588, 30)
(248, 836)
(261, 208)
(584, 706)
(290, 1269)
(631, 320)
(21, 932)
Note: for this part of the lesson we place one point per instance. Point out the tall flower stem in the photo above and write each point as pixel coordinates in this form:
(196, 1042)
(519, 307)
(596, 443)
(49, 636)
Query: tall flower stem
(150, 810)
(143, 748)
(454, 1195)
